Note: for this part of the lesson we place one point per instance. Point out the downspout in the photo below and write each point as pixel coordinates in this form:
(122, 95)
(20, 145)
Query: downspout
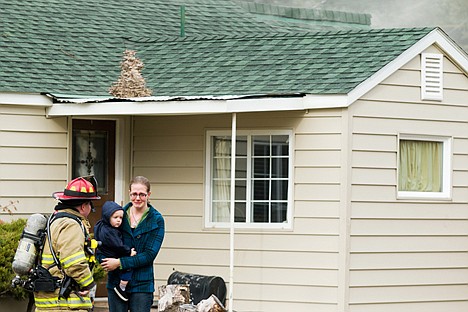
(231, 231)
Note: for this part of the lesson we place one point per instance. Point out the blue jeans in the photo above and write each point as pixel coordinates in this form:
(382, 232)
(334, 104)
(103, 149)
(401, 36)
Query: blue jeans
(137, 302)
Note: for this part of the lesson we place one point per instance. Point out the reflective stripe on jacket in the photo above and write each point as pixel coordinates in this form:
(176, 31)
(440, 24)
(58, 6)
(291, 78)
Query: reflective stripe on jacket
(50, 301)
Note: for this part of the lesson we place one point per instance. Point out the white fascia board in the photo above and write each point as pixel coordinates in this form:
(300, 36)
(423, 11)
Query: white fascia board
(125, 108)
(309, 101)
(265, 104)
(437, 37)
(196, 107)
(454, 52)
(29, 99)
(181, 107)
(312, 101)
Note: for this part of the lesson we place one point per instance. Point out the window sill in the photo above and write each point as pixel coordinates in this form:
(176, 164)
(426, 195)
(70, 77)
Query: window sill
(250, 227)
(424, 195)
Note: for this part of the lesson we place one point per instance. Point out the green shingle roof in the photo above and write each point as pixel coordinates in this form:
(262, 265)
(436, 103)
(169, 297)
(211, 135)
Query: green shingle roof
(315, 63)
(57, 46)
(120, 18)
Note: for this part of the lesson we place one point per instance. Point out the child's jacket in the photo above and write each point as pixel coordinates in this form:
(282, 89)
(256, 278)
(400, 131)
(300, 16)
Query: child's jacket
(110, 237)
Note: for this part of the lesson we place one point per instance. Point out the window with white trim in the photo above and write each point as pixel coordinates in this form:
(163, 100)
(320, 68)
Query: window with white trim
(432, 76)
(424, 167)
(262, 179)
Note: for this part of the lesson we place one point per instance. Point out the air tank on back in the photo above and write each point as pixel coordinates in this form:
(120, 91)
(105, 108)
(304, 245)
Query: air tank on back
(26, 252)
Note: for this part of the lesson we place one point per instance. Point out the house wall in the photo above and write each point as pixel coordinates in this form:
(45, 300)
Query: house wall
(275, 270)
(33, 159)
(407, 255)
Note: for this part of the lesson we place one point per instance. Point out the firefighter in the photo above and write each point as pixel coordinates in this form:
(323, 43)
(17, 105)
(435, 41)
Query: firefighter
(72, 259)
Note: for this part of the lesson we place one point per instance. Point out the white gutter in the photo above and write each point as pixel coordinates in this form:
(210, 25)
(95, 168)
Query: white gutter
(182, 106)
(30, 99)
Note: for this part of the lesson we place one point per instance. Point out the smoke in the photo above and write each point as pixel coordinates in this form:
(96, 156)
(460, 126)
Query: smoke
(450, 15)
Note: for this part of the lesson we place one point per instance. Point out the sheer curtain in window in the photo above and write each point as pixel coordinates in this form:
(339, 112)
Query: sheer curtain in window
(221, 181)
(420, 166)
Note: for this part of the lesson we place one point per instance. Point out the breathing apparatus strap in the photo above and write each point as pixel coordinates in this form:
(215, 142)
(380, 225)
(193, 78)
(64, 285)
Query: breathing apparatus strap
(56, 261)
(37, 239)
(51, 219)
(66, 285)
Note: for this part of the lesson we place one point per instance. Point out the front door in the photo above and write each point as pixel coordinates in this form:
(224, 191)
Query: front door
(93, 153)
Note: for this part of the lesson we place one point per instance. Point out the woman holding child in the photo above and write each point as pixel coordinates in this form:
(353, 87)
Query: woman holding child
(142, 229)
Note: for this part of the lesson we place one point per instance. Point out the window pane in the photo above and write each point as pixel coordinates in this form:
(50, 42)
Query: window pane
(221, 189)
(279, 190)
(260, 189)
(260, 212)
(241, 168)
(222, 168)
(220, 212)
(240, 212)
(280, 145)
(279, 212)
(261, 145)
(241, 146)
(420, 167)
(279, 167)
(222, 146)
(90, 156)
(241, 190)
(261, 167)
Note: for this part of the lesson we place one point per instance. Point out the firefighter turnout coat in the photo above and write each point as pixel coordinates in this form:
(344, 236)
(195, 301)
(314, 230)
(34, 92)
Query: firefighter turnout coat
(68, 241)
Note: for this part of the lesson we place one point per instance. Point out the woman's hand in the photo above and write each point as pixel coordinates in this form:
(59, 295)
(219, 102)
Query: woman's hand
(110, 264)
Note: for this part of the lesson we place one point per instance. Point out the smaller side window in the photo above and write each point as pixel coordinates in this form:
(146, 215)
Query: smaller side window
(424, 169)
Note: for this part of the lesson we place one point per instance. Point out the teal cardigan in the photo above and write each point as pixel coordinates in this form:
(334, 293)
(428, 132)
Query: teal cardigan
(147, 239)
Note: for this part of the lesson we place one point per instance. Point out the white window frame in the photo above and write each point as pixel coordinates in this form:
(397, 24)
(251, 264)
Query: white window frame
(446, 192)
(287, 225)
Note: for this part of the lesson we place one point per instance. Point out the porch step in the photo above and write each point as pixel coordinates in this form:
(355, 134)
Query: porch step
(100, 305)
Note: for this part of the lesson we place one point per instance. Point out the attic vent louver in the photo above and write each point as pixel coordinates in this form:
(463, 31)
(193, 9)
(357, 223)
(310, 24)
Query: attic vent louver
(431, 76)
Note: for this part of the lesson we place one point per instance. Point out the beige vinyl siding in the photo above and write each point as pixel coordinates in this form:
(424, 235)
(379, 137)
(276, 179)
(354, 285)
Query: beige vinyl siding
(408, 255)
(274, 269)
(33, 158)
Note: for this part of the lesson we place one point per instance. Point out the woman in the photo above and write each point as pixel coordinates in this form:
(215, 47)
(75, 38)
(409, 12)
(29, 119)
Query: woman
(142, 229)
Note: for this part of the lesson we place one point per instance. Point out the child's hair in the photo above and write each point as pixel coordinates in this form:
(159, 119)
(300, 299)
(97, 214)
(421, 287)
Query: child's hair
(140, 180)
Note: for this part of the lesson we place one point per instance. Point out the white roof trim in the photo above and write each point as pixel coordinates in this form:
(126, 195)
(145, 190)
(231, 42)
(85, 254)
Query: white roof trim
(29, 99)
(437, 36)
(312, 101)
(176, 106)
(70, 99)
(122, 108)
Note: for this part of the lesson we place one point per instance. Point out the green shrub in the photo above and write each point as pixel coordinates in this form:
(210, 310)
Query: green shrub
(10, 233)
(99, 273)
